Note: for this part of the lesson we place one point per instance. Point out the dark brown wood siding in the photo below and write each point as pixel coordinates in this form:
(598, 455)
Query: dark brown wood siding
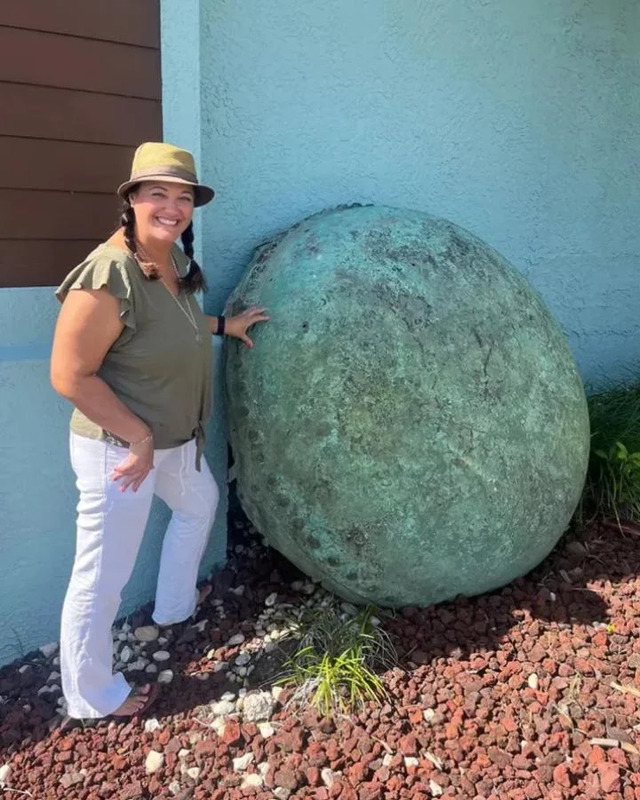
(79, 90)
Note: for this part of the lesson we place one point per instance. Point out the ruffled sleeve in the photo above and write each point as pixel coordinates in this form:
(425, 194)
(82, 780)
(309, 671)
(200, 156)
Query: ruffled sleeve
(98, 272)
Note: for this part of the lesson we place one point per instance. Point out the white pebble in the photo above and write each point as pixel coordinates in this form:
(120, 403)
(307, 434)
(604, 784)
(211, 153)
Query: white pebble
(151, 669)
(151, 725)
(175, 787)
(251, 780)
(259, 706)
(242, 671)
(240, 764)
(328, 777)
(218, 725)
(266, 729)
(436, 789)
(428, 714)
(238, 590)
(146, 633)
(271, 600)
(126, 627)
(122, 637)
(386, 761)
(53, 677)
(166, 676)
(183, 752)
(410, 761)
(5, 774)
(193, 773)
(228, 696)
(126, 654)
(222, 708)
(138, 664)
(532, 680)
(237, 638)
(153, 762)
(276, 691)
(161, 655)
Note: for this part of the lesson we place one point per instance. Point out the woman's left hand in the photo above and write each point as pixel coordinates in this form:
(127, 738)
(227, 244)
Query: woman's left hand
(237, 326)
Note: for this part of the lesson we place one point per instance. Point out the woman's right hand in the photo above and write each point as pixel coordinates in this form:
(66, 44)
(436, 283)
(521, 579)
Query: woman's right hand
(135, 468)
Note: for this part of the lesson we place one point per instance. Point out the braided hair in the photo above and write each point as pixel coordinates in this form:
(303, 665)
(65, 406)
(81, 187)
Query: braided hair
(193, 281)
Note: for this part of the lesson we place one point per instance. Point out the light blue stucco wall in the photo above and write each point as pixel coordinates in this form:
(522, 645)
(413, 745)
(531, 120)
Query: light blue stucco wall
(517, 119)
(37, 491)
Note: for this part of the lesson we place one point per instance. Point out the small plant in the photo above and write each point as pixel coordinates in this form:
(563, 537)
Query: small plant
(612, 487)
(334, 666)
(614, 482)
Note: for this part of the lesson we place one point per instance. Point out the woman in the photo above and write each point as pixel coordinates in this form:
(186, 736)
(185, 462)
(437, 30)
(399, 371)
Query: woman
(132, 352)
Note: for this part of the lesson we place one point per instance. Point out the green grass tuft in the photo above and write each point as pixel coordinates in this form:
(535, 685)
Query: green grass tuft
(612, 487)
(334, 666)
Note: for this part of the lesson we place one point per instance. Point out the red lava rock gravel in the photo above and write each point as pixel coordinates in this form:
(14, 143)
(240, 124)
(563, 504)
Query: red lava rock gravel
(506, 695)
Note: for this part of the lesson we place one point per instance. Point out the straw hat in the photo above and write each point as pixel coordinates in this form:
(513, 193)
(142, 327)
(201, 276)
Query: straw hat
(166, 163)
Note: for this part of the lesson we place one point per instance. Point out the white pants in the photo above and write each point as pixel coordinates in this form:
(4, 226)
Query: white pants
(110, 527)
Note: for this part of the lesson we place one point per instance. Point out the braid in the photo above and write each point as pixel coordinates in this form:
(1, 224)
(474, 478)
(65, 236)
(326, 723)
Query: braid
(194, 280)
(128, 222)
(187, 241)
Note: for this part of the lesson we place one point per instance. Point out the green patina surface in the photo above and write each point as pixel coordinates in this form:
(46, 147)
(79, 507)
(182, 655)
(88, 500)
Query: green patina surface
(410, 425)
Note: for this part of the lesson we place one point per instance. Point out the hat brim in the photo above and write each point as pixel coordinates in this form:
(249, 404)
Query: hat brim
(201, 194)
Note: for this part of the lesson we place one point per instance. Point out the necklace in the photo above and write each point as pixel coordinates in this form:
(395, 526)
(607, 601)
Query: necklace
(187, 311)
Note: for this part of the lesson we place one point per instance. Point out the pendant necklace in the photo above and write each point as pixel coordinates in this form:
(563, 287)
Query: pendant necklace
(186, 311)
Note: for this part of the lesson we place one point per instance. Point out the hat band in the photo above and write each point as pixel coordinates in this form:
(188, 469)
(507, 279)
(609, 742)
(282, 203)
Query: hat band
(170, 172)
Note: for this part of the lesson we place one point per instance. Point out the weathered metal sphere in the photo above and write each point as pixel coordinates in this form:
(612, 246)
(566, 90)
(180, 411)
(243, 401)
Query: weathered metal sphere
(410, 425)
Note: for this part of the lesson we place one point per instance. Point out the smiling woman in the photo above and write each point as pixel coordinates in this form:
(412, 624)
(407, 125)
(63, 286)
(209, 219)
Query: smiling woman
(132, 352)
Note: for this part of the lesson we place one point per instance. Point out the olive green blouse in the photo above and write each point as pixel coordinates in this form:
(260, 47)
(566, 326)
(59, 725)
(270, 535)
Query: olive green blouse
(160, 365)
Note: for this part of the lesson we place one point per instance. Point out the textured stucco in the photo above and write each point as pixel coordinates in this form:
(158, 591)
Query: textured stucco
(517, 119)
